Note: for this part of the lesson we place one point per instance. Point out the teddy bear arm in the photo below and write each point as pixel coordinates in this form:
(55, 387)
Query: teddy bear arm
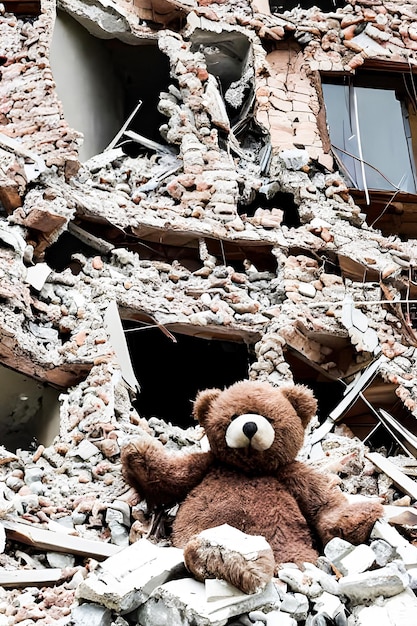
(327, 509)
(159, 476)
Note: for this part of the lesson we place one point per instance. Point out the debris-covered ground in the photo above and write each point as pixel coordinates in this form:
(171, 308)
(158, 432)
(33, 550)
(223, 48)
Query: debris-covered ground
(206, 197)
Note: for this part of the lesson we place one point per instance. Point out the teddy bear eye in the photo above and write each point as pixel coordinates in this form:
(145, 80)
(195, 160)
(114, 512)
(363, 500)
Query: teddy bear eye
(234, 416)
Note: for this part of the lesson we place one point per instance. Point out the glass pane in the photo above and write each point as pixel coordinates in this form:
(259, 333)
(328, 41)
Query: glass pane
(381, 136)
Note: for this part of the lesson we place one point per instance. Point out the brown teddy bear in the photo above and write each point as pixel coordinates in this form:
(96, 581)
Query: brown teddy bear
(250, 480)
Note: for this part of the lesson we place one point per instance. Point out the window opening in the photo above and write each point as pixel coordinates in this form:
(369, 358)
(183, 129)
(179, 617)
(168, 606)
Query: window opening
(171, 373)
(371, 137)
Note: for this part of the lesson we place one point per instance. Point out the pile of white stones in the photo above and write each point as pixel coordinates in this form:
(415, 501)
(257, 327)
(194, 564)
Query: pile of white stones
(146, 584)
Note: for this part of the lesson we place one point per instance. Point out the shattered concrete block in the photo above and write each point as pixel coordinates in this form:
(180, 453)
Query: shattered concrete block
(337, 548)
(397, 611)
(126, 579)
(387, 582)
(384, 552)
(300, 582)
(296, 604)
(294, 159)
(91, 615)
(183, 602)
(326, 581)
(405, 550)
(328, 605)
(85, 450)
(358, 560)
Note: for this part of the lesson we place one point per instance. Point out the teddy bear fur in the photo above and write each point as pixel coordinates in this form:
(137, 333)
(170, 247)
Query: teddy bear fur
(249, 479)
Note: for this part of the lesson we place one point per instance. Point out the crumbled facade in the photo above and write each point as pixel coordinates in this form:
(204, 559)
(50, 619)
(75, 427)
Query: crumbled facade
(238, 224)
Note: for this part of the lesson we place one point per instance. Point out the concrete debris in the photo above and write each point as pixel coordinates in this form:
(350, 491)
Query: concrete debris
(195, 216)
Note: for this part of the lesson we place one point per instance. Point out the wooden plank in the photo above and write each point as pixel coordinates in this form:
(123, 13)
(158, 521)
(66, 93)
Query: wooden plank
(404, 483)
(28, 577)
(58, 542)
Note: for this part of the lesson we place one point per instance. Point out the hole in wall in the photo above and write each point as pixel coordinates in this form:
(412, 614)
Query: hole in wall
(59, 255)
(144, 72)
(226, 253)
(280, 200)
(170, 374)
(100, 82)
(225, 53)
(29, 412)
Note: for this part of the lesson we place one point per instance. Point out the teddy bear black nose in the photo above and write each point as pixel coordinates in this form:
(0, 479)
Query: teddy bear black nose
(249, 429)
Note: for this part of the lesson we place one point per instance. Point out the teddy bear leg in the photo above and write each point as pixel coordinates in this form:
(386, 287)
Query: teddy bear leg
(206, 559)
(353, 522)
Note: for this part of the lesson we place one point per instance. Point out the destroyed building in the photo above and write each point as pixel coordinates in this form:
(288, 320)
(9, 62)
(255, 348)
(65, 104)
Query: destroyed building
(192, 193)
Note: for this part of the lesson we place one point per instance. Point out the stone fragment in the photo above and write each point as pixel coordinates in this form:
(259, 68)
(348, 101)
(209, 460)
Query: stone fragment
(405, 550)
(294, 159)
(326, 581)
(358, 560)
(85, 450)
(184, 601)
(328, 605)
(366, 587)
(91, 615)
(384, 552)
(300, 582)
(125, 580)
(60, 560)
(306, 289)
(399, 610)
(296, 604)
(337, 548)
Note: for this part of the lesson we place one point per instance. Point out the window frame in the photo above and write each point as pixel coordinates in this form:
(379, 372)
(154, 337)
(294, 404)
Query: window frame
(397, 78)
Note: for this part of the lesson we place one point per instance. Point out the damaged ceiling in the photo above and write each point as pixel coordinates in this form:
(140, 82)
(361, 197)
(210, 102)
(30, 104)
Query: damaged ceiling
(180, 209)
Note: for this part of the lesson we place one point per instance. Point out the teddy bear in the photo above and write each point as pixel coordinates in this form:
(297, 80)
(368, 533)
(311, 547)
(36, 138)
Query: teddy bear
(249, 479)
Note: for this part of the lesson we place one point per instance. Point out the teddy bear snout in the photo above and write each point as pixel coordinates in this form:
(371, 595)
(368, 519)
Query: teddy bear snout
(250, 430)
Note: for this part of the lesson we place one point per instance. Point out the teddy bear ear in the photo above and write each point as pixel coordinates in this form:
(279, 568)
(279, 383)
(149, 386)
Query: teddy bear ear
(203, 402)
(303, 401)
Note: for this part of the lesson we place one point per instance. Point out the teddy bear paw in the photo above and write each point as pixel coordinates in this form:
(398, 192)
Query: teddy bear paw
(206, 559)
(136, 457)
(353, 523)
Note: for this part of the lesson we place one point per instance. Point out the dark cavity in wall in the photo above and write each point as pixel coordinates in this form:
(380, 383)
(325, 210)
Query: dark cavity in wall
(227, 254)
(171, 374)
(158, 248)
(280, 200)
(143, 71)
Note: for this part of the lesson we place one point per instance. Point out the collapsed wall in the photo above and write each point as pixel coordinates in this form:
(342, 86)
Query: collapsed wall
(235, 225)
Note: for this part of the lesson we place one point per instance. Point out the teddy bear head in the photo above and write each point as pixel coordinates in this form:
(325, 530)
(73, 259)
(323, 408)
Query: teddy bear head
(255, 426)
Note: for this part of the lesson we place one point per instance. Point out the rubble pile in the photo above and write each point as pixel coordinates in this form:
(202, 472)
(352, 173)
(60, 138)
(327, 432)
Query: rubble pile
(239, 224)
(94, 552)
